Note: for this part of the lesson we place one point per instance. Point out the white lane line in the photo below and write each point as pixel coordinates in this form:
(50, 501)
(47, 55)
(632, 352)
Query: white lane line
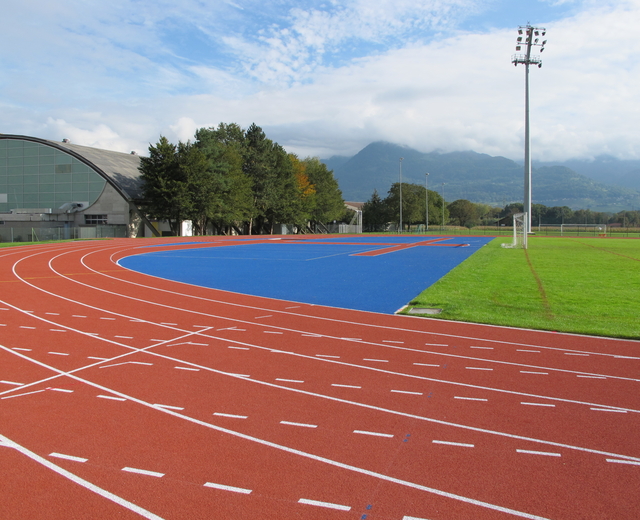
(11, 383)
(22, 349)
(426, 365)
(260, 317)
(293, 307)
(227, 488)
(124, 337)
(311, 335)
(143, 472)
(57, 330)
(289, 380)
(575, 354)
(67, 457)
(164, 323)
(633, 462)
(97, 358)
(345, 386)
(538, 404)
(526, 350)
(78, 316)
(351, 339)
(3, 324)
(238, 348)
(626, 357)
(547, 453)
(60, 390)
(303, 425)
(413, 518)
(53, 313)
(25, 327)
(235, 375)
(592, 377)
(392, 341)
(59, 353)
(406, 392)
(231, 416)
(483, 348)
(449, 443)
(531, 372)
(113, 398)
(327, 356)
(328, 505)
(127, 363)
(374, 434)
(160, 340)
(110, 319)
(272, 332)
(469, 398)
(436, 345)
(188, 368)
(169, 407)
(607, 410)
(376, 360)
(20, 395)
(478, 368)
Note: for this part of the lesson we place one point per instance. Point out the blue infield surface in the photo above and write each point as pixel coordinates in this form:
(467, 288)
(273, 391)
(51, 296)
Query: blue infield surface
(322, 271)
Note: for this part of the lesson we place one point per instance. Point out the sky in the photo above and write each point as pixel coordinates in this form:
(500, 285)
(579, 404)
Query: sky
(325, 78)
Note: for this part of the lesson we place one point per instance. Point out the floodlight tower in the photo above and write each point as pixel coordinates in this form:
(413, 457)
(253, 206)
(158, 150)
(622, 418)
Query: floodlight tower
(401, 158)
(528, 37)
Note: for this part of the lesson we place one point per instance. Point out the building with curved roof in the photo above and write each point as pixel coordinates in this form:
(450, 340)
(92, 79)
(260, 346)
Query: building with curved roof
(50, 185)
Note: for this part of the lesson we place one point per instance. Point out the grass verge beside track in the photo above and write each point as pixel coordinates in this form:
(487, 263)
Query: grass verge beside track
(579, 285)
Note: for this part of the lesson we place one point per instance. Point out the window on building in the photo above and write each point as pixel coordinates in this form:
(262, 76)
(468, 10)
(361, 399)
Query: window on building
(95, 219)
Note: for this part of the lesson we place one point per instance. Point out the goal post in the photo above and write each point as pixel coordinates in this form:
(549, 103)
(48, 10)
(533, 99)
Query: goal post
(519, 232)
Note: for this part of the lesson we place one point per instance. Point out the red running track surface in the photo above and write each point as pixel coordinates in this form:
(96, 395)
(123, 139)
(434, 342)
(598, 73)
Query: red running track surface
(128, 396)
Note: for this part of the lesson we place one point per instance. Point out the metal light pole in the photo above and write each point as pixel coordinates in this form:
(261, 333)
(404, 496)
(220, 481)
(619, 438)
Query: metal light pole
(531, 36)
(426, 203)
(443, 206)
(401, 194)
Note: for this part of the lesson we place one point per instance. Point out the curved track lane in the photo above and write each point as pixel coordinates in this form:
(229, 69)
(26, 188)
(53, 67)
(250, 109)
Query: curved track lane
(124, 394)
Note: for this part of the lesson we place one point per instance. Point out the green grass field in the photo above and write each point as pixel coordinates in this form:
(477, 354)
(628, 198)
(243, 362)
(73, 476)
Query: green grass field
(580, 285)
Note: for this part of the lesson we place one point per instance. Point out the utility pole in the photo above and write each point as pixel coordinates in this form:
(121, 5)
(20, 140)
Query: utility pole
(401, 158)
(531, 36)
(426, 203)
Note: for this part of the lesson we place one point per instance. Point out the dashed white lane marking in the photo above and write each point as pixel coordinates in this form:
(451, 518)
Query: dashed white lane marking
(60, 390)
(168, 407)
(311, 335)
(78, 316)
(538, 404)
(53, 313)
(59, 353)
(436, 345)
(20, 395)
(327, 356)
(547, 453)
(260, 317)
(607, 410)
(351, 339)
(450, 443)
(238, 348)
(289, 380)
(25, 327)
(165, 323)
(127, 363)
(483, 348)
(412, 518)
(230, 415)
(161, 340)
(57, 330)
(406, 392)
(345, 386)
(11, 383)
(531, 372)
(374, 434)
(575, 354)
(626, 357)
(67, 457)
(113, 398)
(592, 377)
(478, 368)
(143, 472)
(236, 375)
(620, 461)
(124, 337)
(469, 398)
(303, 425)
(97, 358)
(110, 319)
(328, 505)
(233, 328)
(22, 349)
(525, 350)
(3, 324)
(426, 365)
(272, 332)
(377, 360)
(227, 488)
(188, 368)
(392, 341)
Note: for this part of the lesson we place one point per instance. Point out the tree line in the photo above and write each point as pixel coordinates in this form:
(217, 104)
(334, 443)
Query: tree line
(234, 180)
(379, 214)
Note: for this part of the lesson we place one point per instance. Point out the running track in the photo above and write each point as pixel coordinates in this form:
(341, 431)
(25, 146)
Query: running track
(128, 396)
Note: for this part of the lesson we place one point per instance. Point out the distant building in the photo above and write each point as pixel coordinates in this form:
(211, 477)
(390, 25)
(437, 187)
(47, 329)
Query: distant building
(75, 190)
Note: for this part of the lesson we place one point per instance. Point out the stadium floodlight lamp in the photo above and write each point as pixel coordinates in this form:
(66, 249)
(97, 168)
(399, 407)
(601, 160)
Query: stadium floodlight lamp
(527, 59)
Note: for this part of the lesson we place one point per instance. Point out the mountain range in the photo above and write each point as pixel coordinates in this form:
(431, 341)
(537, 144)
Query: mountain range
(605, 184)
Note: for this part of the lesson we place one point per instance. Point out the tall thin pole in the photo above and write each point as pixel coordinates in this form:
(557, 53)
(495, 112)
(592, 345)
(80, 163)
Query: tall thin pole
(426, 203)
(443, 206)
(401, 194)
